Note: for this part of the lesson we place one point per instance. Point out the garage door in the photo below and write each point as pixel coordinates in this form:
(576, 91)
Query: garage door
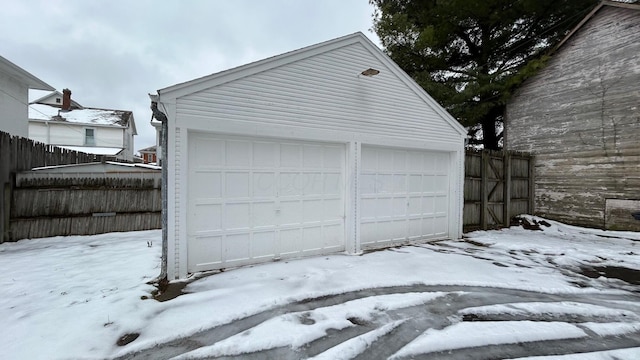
(404, 196)
(252, 200)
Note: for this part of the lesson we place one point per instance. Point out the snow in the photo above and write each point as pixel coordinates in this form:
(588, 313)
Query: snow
(355, 346)
(74, 297)
(96, 150)
(80, 116)
(551, 310)
(619, 354)
(473, 334)
(300, 328)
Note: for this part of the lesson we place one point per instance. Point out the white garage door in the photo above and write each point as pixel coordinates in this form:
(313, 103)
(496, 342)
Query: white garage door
(404, 196)
(253, 200)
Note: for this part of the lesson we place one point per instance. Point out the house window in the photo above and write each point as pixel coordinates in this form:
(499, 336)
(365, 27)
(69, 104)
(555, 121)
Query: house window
(89, 137)
(57, 100)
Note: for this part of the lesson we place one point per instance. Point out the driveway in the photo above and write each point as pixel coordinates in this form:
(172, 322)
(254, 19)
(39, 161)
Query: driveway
(596, 317)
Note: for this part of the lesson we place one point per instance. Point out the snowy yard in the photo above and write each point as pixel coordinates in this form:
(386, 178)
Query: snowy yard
(512, 293)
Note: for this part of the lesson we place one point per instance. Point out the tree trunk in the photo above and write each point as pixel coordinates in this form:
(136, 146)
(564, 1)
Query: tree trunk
(489, 137)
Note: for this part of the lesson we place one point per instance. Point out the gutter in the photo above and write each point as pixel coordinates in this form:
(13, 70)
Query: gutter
(164, 137)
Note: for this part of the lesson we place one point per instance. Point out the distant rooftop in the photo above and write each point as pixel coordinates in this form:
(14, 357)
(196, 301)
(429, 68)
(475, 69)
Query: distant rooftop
(83, 116)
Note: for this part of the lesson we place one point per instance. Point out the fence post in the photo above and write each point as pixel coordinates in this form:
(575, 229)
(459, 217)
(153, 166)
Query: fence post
(532, 185)
(506, 197)
(484, 189)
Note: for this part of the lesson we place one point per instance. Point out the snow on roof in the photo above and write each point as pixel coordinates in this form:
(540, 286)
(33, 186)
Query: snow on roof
(148, 149)
(93, 149)
(81, 116)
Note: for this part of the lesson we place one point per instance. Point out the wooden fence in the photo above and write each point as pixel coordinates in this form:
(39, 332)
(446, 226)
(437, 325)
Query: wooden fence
(57, 206)
(498, 185)
(19, 154)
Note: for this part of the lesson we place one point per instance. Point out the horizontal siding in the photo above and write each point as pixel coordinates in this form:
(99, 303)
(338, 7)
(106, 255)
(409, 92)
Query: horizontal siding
(324, 92)
(580, 116)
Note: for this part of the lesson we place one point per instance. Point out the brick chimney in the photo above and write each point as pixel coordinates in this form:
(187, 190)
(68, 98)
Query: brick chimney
(66, 100)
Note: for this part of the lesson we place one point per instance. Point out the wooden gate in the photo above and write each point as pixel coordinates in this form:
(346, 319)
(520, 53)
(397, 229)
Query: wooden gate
(498, 185)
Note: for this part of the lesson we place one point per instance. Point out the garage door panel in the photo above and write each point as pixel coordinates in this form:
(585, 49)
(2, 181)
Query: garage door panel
(210, 182)
(290, 212)
(333, 235)
(263, 214)
(237, 185)
(415, 228)
(262, 199)
(263, 244)
(312, 238)
(290, 156)
(414, 206)
(312, 156)
(312, 211)
(399, 208)
(238, 153)
(403, 192)
(264, 155)
(290, 240)
(206, 250)
(333, 156)
(333, 184)
(264, 184)
(207, 217)
(237, 247)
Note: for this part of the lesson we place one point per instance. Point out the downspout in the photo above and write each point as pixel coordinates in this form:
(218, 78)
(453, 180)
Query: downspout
(160, 116)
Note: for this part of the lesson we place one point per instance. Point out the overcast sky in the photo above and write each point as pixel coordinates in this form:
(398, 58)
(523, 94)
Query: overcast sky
(112, 53)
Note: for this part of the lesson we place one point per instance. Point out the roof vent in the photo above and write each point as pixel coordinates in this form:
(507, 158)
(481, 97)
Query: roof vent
(370, 72)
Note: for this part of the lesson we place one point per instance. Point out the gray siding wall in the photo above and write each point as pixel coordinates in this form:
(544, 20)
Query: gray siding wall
(580, 116)
(321, 93)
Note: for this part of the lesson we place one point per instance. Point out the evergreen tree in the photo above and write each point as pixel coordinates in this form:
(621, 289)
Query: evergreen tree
(471, 54)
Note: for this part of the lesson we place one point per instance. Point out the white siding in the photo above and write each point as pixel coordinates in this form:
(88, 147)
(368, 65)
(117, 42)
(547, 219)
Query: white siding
(323, 93)
(62, 133)
(13, 106)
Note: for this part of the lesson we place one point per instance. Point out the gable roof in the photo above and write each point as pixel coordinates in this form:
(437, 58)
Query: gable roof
(49, 99)
(216, 79)
(150, 149)
(619, 4)
(21, 75)
(90, 116)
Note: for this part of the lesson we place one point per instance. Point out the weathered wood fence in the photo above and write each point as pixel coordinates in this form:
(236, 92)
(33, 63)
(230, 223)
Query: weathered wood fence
(81, 205)
(498, 185)
(18, 154)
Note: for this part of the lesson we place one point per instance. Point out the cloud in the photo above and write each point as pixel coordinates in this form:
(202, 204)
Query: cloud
(111, 54)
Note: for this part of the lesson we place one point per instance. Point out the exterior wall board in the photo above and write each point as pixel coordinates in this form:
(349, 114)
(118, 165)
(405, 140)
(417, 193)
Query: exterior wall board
(61, 133)
(13, 113)
(329, 95)
(580, 116)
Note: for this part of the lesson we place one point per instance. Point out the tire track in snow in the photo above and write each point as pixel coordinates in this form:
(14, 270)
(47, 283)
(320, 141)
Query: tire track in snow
(436, 314)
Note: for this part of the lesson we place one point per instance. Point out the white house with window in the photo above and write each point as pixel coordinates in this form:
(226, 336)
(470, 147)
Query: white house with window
(56, 119)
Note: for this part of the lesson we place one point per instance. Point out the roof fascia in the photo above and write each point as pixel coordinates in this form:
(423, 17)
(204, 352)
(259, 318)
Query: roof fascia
(590, 15)
(413, 85)
(23, 76)
(199, 84)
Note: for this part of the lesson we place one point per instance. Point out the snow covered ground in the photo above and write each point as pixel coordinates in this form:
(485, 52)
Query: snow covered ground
(513, 293)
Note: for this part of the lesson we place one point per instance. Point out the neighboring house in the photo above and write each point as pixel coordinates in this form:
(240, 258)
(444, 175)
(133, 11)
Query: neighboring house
(325, 149)
(149, 155)
(580, 116)
(15, 83)
(58, 120)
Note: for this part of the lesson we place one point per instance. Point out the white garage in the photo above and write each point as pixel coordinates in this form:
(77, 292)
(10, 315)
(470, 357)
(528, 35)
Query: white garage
(330, 148)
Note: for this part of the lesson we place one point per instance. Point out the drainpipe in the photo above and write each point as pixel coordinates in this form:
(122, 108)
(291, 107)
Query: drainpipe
(160, 116)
